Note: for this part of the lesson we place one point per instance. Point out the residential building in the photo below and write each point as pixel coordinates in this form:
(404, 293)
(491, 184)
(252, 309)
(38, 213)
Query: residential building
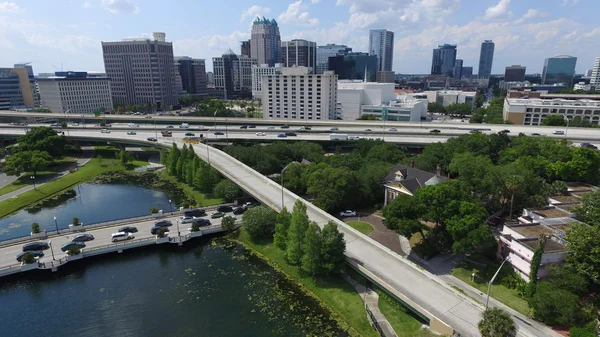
(354, 66)
(297, 94)
(595, 77)
(258, 71)
(17, 88)
(353, 95)
(582, 86)
(265, 42)
(75, 92)
(559, 69)
(407, 180)
(210, 77)
(193, 75)
(448, 97)
(141, 71)
(299, 53)
(381, 44)
(467, 72)
(514, 73)
(245, 49)
(486, 57)
(233, 76)
(385, 77)
(325, 52)
(458, 65)
(444, 59)
(530, 108)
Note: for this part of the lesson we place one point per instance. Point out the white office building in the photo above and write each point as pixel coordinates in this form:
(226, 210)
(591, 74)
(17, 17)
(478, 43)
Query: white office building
(258, 71)
(531, 111)
(298, 94)
(595, 78)
(582, 86)
(75, 93)
(448, 97)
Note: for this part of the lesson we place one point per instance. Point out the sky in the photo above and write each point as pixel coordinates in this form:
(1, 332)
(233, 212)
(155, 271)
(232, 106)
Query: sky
(66, 34)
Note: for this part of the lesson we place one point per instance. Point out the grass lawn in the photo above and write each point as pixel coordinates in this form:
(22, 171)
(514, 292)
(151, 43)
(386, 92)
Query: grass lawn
(150, 149)
(25, 179)
(196, 195)
(361, 226)
(501, 293)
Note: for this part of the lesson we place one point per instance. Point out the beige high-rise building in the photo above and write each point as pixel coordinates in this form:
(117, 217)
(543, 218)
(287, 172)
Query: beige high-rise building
(265, 42)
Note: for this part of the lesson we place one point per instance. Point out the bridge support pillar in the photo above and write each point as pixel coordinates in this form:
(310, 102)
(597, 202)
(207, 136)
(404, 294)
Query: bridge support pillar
(120, 251)
(54, 269)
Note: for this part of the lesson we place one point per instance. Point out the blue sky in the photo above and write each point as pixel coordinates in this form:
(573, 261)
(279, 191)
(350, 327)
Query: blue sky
(49, 33)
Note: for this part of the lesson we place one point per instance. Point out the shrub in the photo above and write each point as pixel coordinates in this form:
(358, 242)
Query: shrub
(228, 223)
(73, 251)
(76, 221)
(160, 232)
(153, 210)
(555, 306)
(195, 226)
(28, 258)
(35, 228)
(589, 330)
(259, 222)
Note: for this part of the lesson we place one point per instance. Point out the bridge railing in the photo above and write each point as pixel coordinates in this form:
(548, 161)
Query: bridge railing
(116, 244)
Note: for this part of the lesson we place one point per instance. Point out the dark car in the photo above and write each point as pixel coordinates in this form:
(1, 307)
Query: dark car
(334, 129)
(251, 126)
(535, 134)
(194, 212)
(35, 246)
(239, 210)
(217, 215)
(83, 238)
(244, 127)
(35, 253)
(203, 222)
(218, 133)
(163, 223)
(72, 244)
(170, 127)
(128, 229)
(224, 209)
(151, 139)
(155, 229)
(393, 129)
(589, 146)
(505, 131)
(282, 135)
(368, 130)
(290, 134)
(434, 131)
(189, 134)
(285, 126)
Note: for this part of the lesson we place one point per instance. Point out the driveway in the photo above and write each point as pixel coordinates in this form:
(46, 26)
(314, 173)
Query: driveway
(381, 234)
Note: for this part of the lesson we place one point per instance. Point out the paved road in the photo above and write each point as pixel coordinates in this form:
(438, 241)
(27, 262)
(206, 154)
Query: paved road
(6, 180)
(88, 153)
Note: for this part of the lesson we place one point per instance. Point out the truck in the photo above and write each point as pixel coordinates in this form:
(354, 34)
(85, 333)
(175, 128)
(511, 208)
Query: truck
(166, 133)
(338, 136)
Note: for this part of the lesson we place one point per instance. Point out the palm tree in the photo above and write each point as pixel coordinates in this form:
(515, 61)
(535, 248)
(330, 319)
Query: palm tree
(497, 323)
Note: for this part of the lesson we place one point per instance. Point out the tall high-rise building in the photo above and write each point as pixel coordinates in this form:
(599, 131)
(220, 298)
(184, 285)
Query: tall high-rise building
(444, 59)
(352, 66)
(458, 64)
(595, 77)
(467, 72)
(75, 92)
(299, 53)
(265, 42)
(559, 69)
(210, 78)
(514, 73)
(141, 71)
(245, 48)
(31, 95)
(233, 75)
(193, 75)
(326, 51)
(381, 44)
(486, 57)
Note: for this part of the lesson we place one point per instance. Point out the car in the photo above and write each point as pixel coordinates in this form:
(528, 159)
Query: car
(151, 139)
(239, 210)
(353, 137)
(270, 127)
(282, 135)
(589, 146)
(75, 124)
(54, 125)
(128, 229)
(251, 126)
(218, 133)
(105, 131)
(334, 129)
(261, 134)
(393, 129)
(203, 222)
(154, 230)
(72, 244)
(170, 127)
(244, 127)
(131, 133)
(290, 134)
(250, 204)
(347, 213)
(285, 126)
(435, 131)
(558, 132)
(35, 246)
(196, 212)
(217, 215)
(368, 130)
(83, 238)
(225, 209)
(535, 134)
(35, 253)
(186, 219)
(505, 131)
(190, 134)
(148, 117)
(121, 236)
(163, 223)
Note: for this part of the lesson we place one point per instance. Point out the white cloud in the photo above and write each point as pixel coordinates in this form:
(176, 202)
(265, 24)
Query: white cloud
(120, 6)
(570, 2)
(210, 46)
(253, 11)
(314, 2)
(8, 7)
(498, 11)
(295, 15)
(87, 4)
(533, 13)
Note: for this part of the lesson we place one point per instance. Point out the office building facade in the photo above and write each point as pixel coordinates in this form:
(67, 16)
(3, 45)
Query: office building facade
(466, 73)
(514, 73)
(354, 66)
(233, 76)
(298, 94)
(17, 88)
(141, 71)
(443, 60)
(327, 51)
(75, 93)
(559, 69)
(458, 65)
(245, 49)
(381, 44)
(299, 53)
(193, 75)
(265, 42)
(595, 76)
(353, 95)
(385, 77)
(532, 109)
(258, 71)
(486, 57)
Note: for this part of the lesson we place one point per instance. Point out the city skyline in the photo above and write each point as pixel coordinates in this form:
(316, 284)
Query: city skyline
(34, 32)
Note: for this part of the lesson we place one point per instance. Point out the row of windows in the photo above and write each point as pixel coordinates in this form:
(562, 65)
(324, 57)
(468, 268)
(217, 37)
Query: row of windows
(562, 111)
(293, 117)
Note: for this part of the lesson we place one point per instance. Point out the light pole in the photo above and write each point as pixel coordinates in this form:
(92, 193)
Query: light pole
(51, 249)
(171, 206)
(155, 132)
(384, 115)
(567, 128)
(487, 300)
(178, 232)
(56, 224)
(33, 179)
(282, 173)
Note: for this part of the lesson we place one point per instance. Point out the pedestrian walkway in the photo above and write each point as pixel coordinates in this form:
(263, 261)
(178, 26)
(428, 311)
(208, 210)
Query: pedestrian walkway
(88, 153)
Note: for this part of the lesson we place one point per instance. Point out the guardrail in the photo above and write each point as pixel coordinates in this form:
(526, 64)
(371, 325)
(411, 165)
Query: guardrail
(116, 244)
(53, 263)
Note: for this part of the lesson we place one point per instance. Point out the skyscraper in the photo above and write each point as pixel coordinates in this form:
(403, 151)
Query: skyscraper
(559, 69)
(381, 44)
(458, 64)
(595, 78)
(245, 48)
(326, 51)
(265, 42)
(141, 71)
(467, 72)
(486, 56)
(444, 60)
(300, 53)
(514, 73)
(352, 66)
(233, 75)
(193, 75)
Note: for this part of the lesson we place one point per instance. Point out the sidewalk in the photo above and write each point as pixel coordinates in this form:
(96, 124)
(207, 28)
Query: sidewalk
(88, 153)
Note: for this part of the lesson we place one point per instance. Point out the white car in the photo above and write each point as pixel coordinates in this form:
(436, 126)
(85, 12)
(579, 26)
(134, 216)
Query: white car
(104, 131)
(347, 213)
(187, 219)
(558, 132)
(261, 134)
(121, 236)
(131, 133)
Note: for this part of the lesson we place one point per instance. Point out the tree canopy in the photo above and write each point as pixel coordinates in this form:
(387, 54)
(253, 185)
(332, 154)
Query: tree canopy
(259, 222)
(27, 161)
(496, 322)
(43, 139)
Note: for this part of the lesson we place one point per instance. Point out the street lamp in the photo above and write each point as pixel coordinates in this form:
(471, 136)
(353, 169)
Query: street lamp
(171, 206)
(178, 232)
(56, 224)
(51, 249)
(282, 173)
(33, 178)
(492, 281)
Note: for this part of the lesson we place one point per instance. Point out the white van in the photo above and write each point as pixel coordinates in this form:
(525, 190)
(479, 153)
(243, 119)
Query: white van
(121, 236)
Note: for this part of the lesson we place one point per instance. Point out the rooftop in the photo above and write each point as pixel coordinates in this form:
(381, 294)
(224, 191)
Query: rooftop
(565, 198)
(551, 246)
(551, 213)
(531, 231)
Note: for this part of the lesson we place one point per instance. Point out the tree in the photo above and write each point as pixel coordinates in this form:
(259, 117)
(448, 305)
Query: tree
(35, 228)
(459, 109)
(228, 223)
(589, 209)
(27, 161)
(282, 224)
(100, 159)
(333, 247)
(298, 224)
(73, 250)
(332, 187)
(536, 260)
(259, 222)
(583, 165)
(589, 330)
(584, 250)
(435, 107)
(311, 260)
(468, 229)
(196, 226)
(227, 190)
(43, 139)
(554, 120)
(75, 221)
(497, 323)
(567, 279)
(125, 157)
(402, 215)
(28, 258)
(555, 306)
(160, 233)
